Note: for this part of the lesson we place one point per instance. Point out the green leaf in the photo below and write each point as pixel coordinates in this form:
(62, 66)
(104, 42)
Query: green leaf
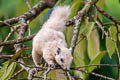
(7, 71)
(51, 74)
(110, 45)
(90, 27)
(83, 28)
(58, 2)
(3, 69)
(113, 8)
(93, 44)
(96, 60)
(79, 51)
(18, 54)
(113, 32)
(92, 14)
(92, 37)
(75, 7)
(86, 29)
(67, 2)
(68, 35)
(119, 37)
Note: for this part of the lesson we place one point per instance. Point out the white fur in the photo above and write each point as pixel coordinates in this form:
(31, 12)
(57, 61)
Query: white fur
(58, 18)
(50, 38)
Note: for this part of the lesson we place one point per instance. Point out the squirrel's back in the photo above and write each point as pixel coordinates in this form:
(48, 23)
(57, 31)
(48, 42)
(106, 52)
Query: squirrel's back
(58, 18)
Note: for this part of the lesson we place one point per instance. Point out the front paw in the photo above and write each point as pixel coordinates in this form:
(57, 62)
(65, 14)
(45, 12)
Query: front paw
(38, 68)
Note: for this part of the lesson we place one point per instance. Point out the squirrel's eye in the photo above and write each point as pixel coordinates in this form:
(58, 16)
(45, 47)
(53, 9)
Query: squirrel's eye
(62, 60)
(58, 51)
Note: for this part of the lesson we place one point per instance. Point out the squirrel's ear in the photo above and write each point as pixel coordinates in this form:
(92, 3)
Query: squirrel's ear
(58, 51)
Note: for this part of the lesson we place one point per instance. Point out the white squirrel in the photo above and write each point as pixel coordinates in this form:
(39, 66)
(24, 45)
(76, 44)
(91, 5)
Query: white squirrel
(50, 42)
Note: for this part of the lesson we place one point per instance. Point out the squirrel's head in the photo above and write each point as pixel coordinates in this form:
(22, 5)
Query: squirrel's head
(64, 57)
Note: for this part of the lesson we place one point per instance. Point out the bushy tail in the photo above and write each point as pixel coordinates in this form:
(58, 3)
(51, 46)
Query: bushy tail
(58, 18)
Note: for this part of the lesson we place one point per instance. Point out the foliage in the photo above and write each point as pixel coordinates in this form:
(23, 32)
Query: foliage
(93, 46)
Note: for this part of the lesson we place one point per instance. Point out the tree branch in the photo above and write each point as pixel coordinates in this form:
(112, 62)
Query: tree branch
(11, 42)
(108, 65)
(102, 28)
(95, 74)
(77, 19)
(28, 4)
(107, 15)
(32, 13)
(6, 56)
(32, 70)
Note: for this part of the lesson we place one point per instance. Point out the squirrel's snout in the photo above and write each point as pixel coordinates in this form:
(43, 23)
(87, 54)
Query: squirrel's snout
(65, 67)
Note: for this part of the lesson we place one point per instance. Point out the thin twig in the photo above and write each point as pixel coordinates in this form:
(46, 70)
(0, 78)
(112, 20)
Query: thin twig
(9, 56)
(28, 4)
(108, 65)
(20, 79)
(107, 15)
(7, 24)
(95, 74)
(11, 42)
(46, 72)
(81, 39)
(6, 56)
(102, 28)
(117, 44)
(12, 31)
(117, 48)
(8, 36)
(77, 68)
